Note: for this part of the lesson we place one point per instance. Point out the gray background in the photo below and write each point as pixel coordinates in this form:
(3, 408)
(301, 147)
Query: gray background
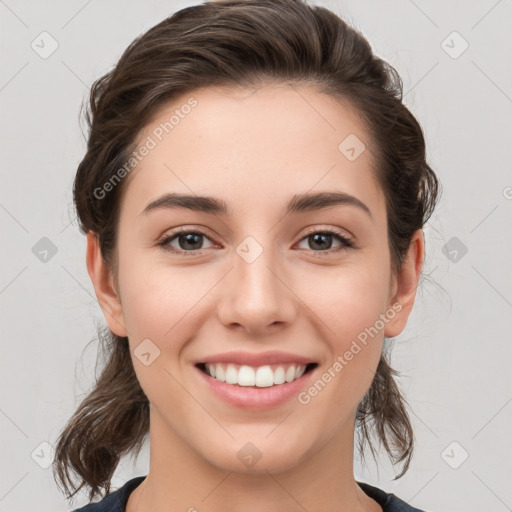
(455, 353)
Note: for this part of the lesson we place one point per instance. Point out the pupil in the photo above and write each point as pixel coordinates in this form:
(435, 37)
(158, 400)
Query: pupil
(317, 236)
(189, 239)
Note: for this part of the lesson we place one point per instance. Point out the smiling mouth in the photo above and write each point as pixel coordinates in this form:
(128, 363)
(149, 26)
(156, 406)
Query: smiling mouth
(260, 377)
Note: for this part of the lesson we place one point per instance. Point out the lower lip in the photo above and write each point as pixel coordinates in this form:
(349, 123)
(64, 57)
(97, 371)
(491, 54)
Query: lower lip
(249, 397)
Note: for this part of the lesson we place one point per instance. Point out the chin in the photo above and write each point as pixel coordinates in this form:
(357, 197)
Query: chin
(257, 457)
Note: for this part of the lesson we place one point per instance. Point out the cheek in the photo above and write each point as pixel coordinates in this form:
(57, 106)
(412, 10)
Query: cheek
(160, 300)
(159, 305)
(351, 311)
(352, 300)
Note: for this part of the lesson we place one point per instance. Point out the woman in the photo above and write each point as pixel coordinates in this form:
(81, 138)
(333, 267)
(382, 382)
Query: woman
(253, 196)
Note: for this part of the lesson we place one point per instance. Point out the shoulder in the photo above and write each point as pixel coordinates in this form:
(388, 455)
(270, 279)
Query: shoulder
(115, 501)
(389, 502)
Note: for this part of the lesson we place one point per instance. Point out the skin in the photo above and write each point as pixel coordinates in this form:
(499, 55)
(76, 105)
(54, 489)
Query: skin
(254, 150)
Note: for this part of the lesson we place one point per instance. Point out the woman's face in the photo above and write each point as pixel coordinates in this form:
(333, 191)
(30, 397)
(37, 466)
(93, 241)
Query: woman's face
(262, 285)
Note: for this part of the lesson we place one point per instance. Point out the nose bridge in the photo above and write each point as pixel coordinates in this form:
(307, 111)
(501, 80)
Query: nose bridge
(257, 298)
(255, 280)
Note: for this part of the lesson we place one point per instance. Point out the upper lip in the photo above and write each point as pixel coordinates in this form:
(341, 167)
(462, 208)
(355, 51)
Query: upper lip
(256, 359)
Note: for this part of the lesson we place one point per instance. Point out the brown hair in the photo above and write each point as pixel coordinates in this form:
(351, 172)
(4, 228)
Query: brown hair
(236, 43)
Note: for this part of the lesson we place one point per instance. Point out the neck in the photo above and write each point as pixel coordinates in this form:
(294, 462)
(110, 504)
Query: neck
(180, 479)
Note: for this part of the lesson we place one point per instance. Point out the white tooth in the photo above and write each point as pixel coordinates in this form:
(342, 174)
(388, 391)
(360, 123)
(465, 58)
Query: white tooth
(264, 377)
(219, 373)
(290, 374)
(231, 374)
(279, 375)
(246, 376)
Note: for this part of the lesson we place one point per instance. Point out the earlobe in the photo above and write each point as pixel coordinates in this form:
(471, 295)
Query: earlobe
(406, 284)
(103, 283)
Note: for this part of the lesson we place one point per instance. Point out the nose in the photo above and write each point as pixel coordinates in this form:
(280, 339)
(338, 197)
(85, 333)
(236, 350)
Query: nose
(256, 296)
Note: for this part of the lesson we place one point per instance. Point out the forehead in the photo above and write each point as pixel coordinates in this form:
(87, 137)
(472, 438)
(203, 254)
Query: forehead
(271, 141)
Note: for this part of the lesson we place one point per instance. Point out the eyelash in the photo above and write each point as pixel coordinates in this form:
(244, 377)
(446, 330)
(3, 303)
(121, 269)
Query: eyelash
(346, 243)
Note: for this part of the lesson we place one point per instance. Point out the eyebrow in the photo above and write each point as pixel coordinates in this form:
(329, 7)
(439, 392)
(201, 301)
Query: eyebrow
(306, 202)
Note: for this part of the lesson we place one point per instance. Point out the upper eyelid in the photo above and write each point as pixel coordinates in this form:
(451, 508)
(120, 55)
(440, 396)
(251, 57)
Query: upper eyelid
(334, 230)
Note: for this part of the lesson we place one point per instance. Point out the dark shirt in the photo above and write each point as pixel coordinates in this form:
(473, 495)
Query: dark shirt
(116, 501)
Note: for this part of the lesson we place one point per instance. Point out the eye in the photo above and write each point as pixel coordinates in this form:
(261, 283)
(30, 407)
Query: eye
(321, 241)
(188, 241)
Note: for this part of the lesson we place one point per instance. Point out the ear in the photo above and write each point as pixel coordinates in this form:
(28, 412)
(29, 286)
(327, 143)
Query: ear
(404, 285)
(103, 282)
